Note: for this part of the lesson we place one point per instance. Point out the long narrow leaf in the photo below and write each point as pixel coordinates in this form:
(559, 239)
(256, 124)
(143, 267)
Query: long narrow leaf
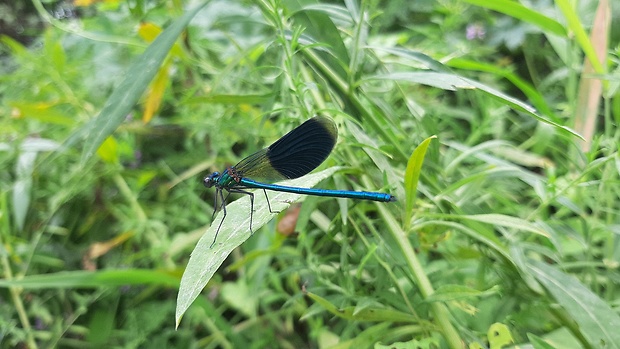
(518, 11)
(127, 94)
(597, 321)
(412, 176)
(90, 279)
(453, 82)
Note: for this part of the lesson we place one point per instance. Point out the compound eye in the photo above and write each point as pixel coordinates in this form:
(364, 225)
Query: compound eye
(211, 179)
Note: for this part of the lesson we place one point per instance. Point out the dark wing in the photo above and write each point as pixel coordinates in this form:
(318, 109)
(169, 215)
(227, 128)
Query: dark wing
(295, 154)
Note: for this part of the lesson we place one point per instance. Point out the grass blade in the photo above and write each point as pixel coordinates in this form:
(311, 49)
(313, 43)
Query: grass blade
(127, 94)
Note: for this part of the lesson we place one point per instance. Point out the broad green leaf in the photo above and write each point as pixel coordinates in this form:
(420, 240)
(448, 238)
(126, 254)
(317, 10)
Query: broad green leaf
(207, 256)
(597, 321)
(129, 91)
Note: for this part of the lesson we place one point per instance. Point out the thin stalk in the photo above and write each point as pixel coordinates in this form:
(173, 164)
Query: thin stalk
(129, 195)
(8, 275)
(439, 310)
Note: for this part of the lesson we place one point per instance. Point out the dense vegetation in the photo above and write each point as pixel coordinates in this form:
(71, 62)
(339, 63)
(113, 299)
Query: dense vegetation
(493, 122)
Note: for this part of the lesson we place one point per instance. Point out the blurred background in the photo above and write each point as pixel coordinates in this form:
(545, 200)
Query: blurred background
(506, 227)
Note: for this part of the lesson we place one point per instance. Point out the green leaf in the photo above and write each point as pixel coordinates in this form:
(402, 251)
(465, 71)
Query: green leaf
(320, 27)
(516, 10)
(207, 256)
(499, 336)
(366, 314)
(598, 322)
(508, 222)
(82, 279)
(428, 342)
(412, 176)
(233, 99)
(574, 23)
(127, 94)
(453, 292)
(239, 296)
(451, 82)
(539, 343)
(22, 187)
(414, 56)
(336, 13)
(533, 94)
(444, 81)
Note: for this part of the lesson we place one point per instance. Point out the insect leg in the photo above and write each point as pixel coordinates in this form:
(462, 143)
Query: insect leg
(223, 208)
(251, 195)
(269, 204)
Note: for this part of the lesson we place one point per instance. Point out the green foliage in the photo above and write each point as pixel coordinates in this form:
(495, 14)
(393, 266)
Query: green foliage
(474, 114)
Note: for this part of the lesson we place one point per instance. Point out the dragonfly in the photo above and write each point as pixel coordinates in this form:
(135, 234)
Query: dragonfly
(294, 155)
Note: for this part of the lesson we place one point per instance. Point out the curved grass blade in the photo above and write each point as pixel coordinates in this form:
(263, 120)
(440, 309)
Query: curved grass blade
(453, 82)
(90, 279)
(520, 12)
(127, 94)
